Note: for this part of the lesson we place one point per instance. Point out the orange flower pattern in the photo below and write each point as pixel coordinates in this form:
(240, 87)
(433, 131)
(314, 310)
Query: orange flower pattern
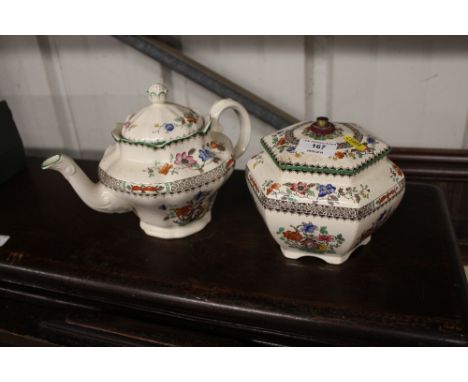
(273, 186)
(292, 235)
(152, 190)
(310, 238)
(187, 120)
(280, 142)
(340, 154)
(192, 210)
(165, 168)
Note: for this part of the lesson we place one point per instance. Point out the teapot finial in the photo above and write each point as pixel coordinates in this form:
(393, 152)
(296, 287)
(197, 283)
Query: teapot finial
(157, 93)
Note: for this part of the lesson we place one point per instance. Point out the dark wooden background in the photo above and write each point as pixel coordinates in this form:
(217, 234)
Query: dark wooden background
(447, 169)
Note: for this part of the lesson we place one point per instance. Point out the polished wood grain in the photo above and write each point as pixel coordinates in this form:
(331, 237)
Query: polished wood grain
(447, 169)
(227, 283)
(432, 164)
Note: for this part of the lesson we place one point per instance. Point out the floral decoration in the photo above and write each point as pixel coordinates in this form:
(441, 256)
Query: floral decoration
(310, 238)
(287, 203)
(188, 120)
(325, 189)
(193, 159)
(354, 153)
(316, 191)
(144, 189)
(395, 173)
(216, 146)
(164, 169)
(193, 210)
(230, 162)
(128, 125)
(205, 154)
(169, 127)
(271, 186)
(185, 159)
(389, 195)
(280, 142)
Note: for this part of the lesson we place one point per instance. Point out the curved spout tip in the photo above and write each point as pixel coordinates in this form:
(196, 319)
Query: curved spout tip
(51, 161)
(61, 163)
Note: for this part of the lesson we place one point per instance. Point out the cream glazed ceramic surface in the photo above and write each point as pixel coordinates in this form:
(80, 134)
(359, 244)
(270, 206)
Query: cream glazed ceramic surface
(323, 191)
(166, 165)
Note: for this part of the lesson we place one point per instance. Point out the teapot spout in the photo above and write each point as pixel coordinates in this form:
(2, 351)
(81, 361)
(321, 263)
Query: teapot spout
(95, 195)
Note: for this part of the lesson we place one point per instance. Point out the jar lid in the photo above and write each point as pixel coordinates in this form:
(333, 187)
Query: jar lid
(325, 147)
(161, 122)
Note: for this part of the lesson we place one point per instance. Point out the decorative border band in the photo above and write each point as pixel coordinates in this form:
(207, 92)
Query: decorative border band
(291, 139)
(175, 187)
(315, 209)
(325, 170)
(116, 135)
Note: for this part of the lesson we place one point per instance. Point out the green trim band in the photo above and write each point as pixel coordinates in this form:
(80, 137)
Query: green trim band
(160, 145)
(325, 170)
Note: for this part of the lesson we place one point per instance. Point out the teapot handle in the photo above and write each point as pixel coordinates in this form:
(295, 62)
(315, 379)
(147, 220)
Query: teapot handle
(244, 135)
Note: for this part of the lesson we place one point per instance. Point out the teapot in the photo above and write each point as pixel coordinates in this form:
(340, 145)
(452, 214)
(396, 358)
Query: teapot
(166, 164)
(323, 188)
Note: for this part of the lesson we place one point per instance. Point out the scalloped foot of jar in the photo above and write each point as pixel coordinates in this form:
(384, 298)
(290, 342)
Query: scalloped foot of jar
(176, 232)
(330, 258)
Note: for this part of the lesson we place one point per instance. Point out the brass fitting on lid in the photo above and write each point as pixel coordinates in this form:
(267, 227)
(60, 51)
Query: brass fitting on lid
(322, 121)
(322, 126)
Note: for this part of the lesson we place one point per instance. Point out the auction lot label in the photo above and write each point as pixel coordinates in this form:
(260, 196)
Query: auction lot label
(316, 147)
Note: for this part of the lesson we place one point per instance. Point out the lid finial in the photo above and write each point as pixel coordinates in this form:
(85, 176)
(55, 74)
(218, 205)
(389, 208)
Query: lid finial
(157, 93)
(322, 127)
(322, 121)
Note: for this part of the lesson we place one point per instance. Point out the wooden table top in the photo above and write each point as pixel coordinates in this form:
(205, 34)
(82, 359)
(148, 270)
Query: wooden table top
(407, 286)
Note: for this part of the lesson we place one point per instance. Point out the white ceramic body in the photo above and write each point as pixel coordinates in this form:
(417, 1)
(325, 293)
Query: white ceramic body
(176, 205)
(175, 215)
(170, 188)
(319, 226)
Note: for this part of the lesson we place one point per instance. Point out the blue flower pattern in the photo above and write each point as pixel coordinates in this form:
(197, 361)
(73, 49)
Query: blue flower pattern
(169, 127)
(325, 190)
(309, 228)
(205, 154)
(201, 195)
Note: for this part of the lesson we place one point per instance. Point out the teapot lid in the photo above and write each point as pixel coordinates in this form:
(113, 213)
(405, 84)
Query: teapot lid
(325, 147)
(161, 122)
